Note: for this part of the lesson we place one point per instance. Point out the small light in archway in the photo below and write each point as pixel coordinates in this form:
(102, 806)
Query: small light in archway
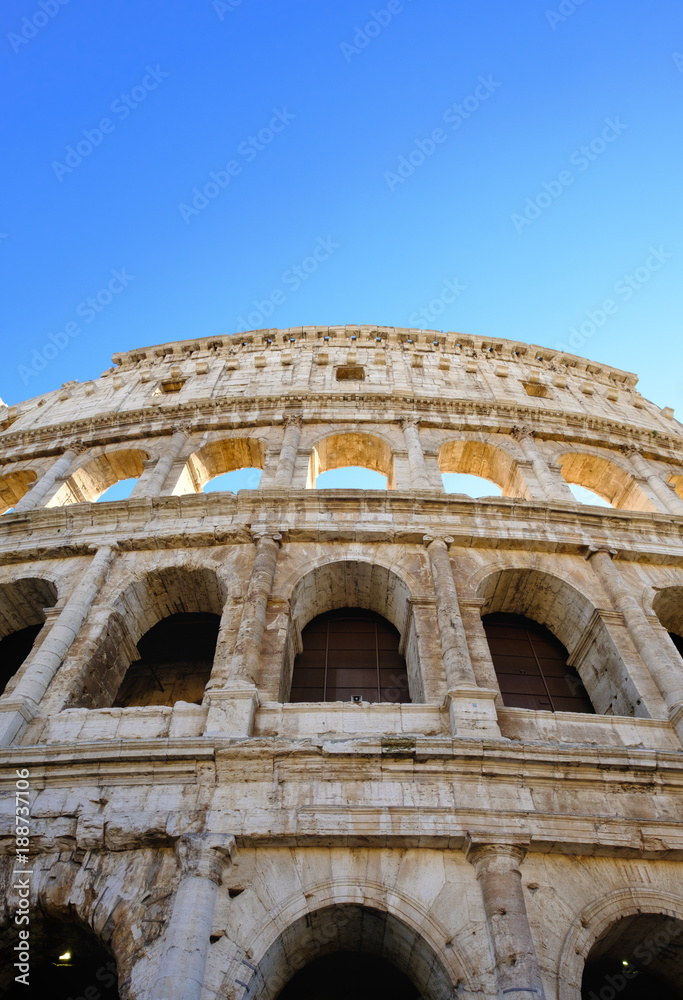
(65, 957)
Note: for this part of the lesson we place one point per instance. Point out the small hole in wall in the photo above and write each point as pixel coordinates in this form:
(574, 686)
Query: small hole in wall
(235, 892)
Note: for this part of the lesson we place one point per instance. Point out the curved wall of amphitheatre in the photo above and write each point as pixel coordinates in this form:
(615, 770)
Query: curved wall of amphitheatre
(412, 819)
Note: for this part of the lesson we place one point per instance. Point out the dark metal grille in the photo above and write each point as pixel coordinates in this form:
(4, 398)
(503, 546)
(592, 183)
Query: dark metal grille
(531, 666)
(350, 654)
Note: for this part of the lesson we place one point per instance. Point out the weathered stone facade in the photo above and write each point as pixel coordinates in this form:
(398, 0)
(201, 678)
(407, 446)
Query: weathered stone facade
(218, 848)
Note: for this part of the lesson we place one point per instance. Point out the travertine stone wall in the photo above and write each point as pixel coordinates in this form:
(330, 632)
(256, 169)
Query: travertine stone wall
(217, 848)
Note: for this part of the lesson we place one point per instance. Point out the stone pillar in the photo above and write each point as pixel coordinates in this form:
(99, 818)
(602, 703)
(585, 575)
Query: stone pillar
(148, 467)
(472, 708)
(39, 491)
(26, 697)
(155, 482)
(666, 674)
(288, 450)
(515, 964)
(419, 480)
(665, 494)
(480, 653)
(434, 471)
(203, 860)
(553, 485)
(232, 708)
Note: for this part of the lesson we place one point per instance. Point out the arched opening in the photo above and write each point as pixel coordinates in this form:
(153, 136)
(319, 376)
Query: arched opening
(668, 606)
(65, 960)
(353, 477)
(364, 588)
(119, 491)
(88, 483)
(640, 957)
(609, 481)
(350, 974)
(353, 453)
(471, 486)
(13, 486)
(176, 657)
(186, 604)
(571, 617)
(324, 948)
(22, 616)
(531, 666)
(241, 459)
(485, 461)
(350, 655)
(588, 497)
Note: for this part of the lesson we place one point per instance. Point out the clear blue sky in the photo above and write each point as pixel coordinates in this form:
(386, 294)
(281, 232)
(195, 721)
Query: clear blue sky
(332, 113)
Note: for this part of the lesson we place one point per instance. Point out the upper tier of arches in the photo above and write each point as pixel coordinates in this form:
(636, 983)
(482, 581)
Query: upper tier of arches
(404, 455)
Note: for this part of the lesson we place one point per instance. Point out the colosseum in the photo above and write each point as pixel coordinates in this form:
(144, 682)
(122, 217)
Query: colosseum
(312, 743)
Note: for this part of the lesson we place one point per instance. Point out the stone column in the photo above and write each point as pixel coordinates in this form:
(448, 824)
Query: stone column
(419, 480)
(203, 860)
(553, 486)
(666, 674)
(26, 697)
(232, 708)
(480, 653)
(39, 491)
(288, 450)
(148, 467)
(665, 494)
(472, 708)
(433, 471)
(155, 482)
(515, 964)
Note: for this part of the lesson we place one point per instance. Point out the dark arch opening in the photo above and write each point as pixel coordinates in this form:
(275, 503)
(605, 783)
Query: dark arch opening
(531, 666)
(88, 971)
(677, 641)
(640, 957)
(350, 655)
(14, 649)
(176, 657)
(23, 604)
(346, 974)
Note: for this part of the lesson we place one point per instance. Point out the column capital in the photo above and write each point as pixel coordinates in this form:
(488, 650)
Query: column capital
(96, 547)
(259, 534)
(293, 419)
(594, 550)
(486, 852)
(205, 855)
(519, 433)
(410, 421)
(446, 540)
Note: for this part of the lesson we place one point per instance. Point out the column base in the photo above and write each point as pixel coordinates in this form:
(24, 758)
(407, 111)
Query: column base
(473, 714)
(231, 712)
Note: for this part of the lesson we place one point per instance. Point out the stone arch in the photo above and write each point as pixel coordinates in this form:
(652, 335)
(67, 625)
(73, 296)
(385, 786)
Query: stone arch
(351, 448)
(335, 583)
(95, 475)
(23, 603)
(337, 920)
(606, 477)
(667, 604)
(216, 457)
(572, 617)
(596, 919)
(130, 614)
(486, 460)
(13, 486)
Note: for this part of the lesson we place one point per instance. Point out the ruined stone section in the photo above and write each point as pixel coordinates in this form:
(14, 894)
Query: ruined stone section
(221, 841)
